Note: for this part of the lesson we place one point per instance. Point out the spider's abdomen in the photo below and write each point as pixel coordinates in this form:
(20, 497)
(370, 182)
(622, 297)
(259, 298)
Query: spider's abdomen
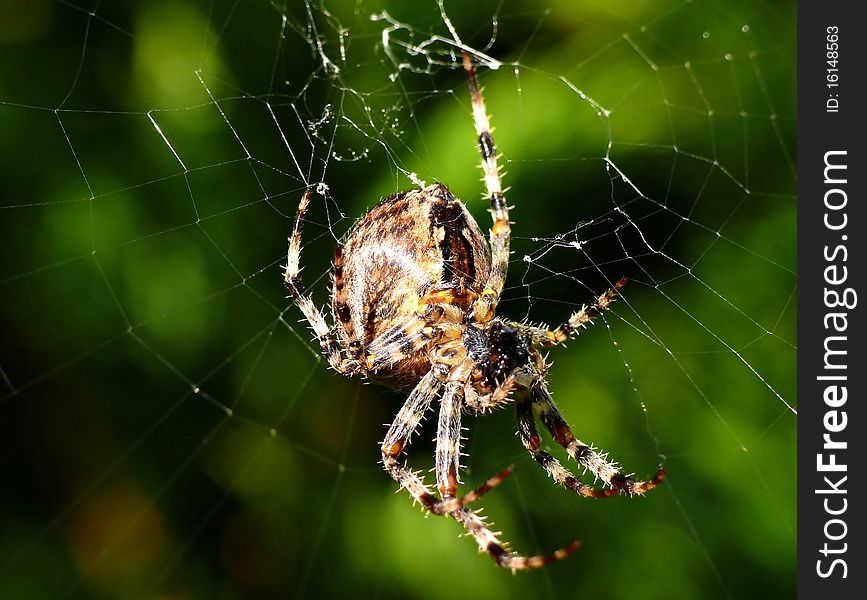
(408, 246)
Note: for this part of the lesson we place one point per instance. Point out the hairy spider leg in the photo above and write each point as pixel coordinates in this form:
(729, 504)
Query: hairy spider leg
(482, 403)
(550, 416)
(407, 420)
(396, 344)
(598, 464)
(435, 321)
(578, 321)
(447, 469)
(292, 277)
(560, 474)
(405, 423)
(448, 448)
(488, 542)
(483, 308)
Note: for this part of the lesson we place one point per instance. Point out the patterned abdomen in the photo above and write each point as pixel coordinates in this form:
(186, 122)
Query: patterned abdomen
(408, 247)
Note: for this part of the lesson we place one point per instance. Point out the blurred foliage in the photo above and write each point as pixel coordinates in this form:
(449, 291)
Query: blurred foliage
(168, 429)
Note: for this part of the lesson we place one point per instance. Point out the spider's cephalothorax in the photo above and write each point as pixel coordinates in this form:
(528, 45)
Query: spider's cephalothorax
(508, 351)
(416, 287)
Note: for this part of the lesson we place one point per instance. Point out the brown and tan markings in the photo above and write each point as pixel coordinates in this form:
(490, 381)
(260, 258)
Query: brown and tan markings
(416, 287)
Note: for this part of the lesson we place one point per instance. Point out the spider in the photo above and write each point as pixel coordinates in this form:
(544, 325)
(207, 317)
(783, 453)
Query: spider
(415, 291)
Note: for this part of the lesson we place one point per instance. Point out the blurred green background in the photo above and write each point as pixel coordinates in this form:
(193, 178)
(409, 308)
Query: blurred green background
(168, 428)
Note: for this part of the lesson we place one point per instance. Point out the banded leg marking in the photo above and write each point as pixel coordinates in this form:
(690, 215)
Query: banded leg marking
(598, 464)
(448, 448)
(405, 423)
(488, 542)
(560, 474)
(314, 316)
(501, 229)
(579, 319)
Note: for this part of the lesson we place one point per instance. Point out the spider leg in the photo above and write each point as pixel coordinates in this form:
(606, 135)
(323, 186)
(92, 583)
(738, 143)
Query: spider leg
(579, 320)
(397, 343)
(598, 464)
(447, 470)
(448, 450)
(314, 316)
(532, 442)
(488, 542)
(405, 423)
(483, 308)
(433, 321)
(481, 403)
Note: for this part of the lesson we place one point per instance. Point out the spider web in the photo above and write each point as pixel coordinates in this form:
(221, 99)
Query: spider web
(169, 428)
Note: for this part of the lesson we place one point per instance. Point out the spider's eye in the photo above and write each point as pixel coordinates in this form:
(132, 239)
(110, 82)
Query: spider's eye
(508, 350)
